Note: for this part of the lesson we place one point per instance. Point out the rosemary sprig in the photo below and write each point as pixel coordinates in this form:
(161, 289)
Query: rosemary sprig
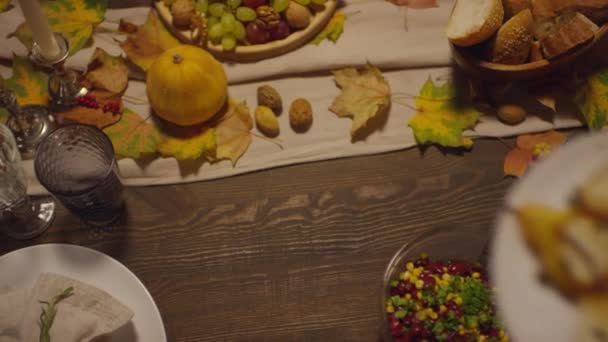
(47, 316)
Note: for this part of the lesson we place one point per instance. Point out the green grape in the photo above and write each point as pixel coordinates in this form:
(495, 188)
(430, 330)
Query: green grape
(228, 42)
(233, 3)
(279, 5)
(245, 14)
(212, 21)
(303, 2)
(216, 32)
(319, 2)
(239, 31)
(201, 6)
(228, 22)
(216, 9)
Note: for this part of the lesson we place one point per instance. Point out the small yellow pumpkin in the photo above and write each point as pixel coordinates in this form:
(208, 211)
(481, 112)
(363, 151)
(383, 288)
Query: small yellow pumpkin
(186, 85)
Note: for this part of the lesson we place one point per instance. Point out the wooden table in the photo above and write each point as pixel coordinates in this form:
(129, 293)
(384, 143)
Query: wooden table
(295, 253)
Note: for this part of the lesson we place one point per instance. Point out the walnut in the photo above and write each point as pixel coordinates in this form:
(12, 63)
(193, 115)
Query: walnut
(267, 18)
(270, 97)
(182, 11)
(198, 26)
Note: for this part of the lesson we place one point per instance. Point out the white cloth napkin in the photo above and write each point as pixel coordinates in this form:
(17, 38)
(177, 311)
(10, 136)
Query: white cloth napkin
(88, 314)
(375, 31)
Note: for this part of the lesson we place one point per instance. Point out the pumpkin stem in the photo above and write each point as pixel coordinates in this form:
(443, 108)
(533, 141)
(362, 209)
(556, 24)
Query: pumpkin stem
(177, 58)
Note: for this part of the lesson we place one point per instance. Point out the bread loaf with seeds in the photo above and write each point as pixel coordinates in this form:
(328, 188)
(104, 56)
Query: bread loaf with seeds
(512, 43)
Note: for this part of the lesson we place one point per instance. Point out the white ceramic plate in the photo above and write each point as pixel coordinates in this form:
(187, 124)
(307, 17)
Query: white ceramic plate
(21, 268)
(530, 310)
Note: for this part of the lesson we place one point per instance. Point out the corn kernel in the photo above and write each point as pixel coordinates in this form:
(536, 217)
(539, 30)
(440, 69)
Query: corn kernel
(419, 295)
(458, 300)
(442, 308)
(390, 309)
(408, 296)
(476, 275)
(446, 277)
(482, 339)
(409, 266)
(405, 275)
(434, 315)
(421, 315)
(450, 296)
(418, 307)
(419, 284)
(417, 271)
(461, 329)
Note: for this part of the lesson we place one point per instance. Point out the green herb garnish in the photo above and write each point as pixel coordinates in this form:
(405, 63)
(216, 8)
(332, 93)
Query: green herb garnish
(475, 296)
(49, 311)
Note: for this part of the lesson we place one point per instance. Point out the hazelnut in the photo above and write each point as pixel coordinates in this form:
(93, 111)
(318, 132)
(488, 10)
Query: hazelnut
(297, 16)
(182, 11)
(300, 115)
(511, 114)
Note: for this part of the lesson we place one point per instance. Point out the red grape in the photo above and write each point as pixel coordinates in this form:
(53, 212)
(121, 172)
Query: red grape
(280, 31)
(255, 35)
(254, 3)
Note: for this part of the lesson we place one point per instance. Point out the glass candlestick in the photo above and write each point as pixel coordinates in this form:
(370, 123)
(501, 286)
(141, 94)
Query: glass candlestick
(29, 124)
(64, 83)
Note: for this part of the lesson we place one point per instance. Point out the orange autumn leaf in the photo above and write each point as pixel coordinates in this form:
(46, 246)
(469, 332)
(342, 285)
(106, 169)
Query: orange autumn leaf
(107, 72)
(552, 138)
(516, 162)
(529, 148)
(94, 116)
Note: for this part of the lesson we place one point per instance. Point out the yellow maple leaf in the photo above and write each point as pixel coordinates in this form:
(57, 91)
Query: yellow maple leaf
(148, 42)
(592, 99)
(333, 30)
(365, 94)
(75, 19)
(5, 5)
(233, 132)
(191, 147)
(28, 83)
(440, 118)
(133, 136)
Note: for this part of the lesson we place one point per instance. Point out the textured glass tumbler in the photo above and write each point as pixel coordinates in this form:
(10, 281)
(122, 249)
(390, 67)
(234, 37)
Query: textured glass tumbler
(76, 164)
(21, 217)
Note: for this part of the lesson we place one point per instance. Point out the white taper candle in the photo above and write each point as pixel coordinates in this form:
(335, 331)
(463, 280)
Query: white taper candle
(41, 30)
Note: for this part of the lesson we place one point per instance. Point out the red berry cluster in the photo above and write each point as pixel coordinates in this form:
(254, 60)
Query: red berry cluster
(112, 107)
(90, 101)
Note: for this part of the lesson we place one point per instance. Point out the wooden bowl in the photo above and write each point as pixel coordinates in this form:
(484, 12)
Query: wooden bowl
(252, 53)
(466, 58)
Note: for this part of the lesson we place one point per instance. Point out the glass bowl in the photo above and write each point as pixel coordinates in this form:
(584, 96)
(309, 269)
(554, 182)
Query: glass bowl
(442, 244)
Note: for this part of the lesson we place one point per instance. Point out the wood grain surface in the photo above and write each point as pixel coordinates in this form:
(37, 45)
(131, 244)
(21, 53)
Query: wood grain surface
(294, 253)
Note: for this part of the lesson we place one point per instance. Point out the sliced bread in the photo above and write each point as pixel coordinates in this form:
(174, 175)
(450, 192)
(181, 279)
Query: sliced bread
(565, 33)
(513, 41)
(474, 21)
(593, 9)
